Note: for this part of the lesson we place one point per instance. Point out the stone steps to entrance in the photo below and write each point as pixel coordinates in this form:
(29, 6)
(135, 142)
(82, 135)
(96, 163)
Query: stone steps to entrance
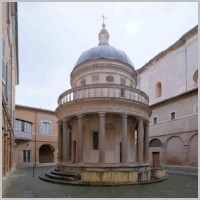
(75, 182)
(62, 177)
(67, 174)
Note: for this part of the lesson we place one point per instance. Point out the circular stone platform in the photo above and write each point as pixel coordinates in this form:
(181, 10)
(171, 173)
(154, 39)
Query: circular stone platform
(103, 174)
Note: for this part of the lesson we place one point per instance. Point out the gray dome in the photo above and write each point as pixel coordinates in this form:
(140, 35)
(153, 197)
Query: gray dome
(104, 51)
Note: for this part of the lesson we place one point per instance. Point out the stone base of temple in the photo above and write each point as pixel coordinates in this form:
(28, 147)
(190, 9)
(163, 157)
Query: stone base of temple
(104, 174)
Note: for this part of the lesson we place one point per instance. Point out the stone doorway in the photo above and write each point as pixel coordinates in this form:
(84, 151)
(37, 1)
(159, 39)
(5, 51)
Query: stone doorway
(156, 159)
(46, 154)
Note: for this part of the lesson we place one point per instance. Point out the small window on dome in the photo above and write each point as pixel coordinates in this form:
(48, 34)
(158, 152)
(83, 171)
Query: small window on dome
(123, 81)
(83, 82)
(109, 78)
(95, 78)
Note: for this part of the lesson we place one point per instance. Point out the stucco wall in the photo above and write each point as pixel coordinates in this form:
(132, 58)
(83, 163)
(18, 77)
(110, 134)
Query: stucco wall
(175, 72)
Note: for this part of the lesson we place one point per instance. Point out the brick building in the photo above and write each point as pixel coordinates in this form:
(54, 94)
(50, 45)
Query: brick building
(35, 136)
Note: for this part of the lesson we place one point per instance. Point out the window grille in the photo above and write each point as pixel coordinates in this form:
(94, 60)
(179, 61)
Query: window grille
(155, 143)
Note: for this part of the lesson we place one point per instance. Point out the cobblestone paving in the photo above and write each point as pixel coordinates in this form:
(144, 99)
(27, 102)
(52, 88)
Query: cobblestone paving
(23, 185)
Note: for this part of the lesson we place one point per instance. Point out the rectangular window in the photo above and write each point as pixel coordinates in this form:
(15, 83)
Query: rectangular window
(26, 156)
(155, 120)
(23, 126)
(122, 92)
(95, 140)
(45, 128)
(173, 116)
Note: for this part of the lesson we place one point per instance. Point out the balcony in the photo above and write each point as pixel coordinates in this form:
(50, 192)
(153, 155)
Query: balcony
(21, 135)
(103, 91)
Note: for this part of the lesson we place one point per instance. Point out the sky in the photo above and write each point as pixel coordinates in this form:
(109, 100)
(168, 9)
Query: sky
(53, 35)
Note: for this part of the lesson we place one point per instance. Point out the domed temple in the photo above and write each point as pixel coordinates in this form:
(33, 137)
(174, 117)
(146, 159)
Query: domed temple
(103, 121)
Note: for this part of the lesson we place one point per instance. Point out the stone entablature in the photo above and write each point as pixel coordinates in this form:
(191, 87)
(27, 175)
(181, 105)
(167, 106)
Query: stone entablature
(131, 109)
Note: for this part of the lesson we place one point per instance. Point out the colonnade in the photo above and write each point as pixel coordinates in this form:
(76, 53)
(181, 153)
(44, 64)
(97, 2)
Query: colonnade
(142, 140)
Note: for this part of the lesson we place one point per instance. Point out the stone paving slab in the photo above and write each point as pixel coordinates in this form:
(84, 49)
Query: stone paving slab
(23, 185)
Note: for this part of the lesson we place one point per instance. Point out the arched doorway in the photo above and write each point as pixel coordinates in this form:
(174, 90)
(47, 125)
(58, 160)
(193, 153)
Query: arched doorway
(155, 148)
(46, 154)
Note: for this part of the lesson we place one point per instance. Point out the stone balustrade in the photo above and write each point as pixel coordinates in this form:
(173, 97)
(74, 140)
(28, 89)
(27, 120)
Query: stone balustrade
(103, 91)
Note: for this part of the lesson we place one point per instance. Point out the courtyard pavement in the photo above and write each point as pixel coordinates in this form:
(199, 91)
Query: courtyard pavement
(23, 185)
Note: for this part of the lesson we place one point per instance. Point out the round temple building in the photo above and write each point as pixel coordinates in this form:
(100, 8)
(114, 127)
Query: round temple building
(104, 121)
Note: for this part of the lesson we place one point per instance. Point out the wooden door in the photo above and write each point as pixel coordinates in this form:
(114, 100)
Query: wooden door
(156, 159)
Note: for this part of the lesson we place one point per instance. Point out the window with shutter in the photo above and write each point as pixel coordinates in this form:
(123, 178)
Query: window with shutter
(4, 67)
(46, 128)
(9, 93)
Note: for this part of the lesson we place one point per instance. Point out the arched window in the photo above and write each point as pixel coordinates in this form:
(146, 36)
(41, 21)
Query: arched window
(158, 89)
(155, 143)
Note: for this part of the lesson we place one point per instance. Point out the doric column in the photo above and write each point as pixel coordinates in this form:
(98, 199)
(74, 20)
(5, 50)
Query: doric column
(80, 139)
(124, 138)
(64, 142)
(59, 141)
(146, 144)
(140, 141)
(102, 138)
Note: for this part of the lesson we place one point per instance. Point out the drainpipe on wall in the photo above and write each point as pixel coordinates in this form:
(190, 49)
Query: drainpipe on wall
(34, 166)
(10, 145)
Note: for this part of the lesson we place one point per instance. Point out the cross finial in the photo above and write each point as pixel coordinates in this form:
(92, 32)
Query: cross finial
(103, 18)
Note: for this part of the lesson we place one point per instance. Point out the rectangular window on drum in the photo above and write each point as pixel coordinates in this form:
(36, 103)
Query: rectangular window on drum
(122, 92)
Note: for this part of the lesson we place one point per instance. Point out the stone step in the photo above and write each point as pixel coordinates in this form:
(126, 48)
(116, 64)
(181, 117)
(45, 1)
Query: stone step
(67, 174)
(52, 176)
(75, 182)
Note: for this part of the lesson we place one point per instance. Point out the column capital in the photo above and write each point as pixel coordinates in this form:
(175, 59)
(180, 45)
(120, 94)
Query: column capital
(80, 116)
(124, 115)
(65, 119)
(59, 122)
(186, 146)
(102, 114)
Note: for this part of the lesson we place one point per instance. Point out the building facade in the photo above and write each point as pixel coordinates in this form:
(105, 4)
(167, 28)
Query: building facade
(10, 78)
(36, 136)
(171, 81)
